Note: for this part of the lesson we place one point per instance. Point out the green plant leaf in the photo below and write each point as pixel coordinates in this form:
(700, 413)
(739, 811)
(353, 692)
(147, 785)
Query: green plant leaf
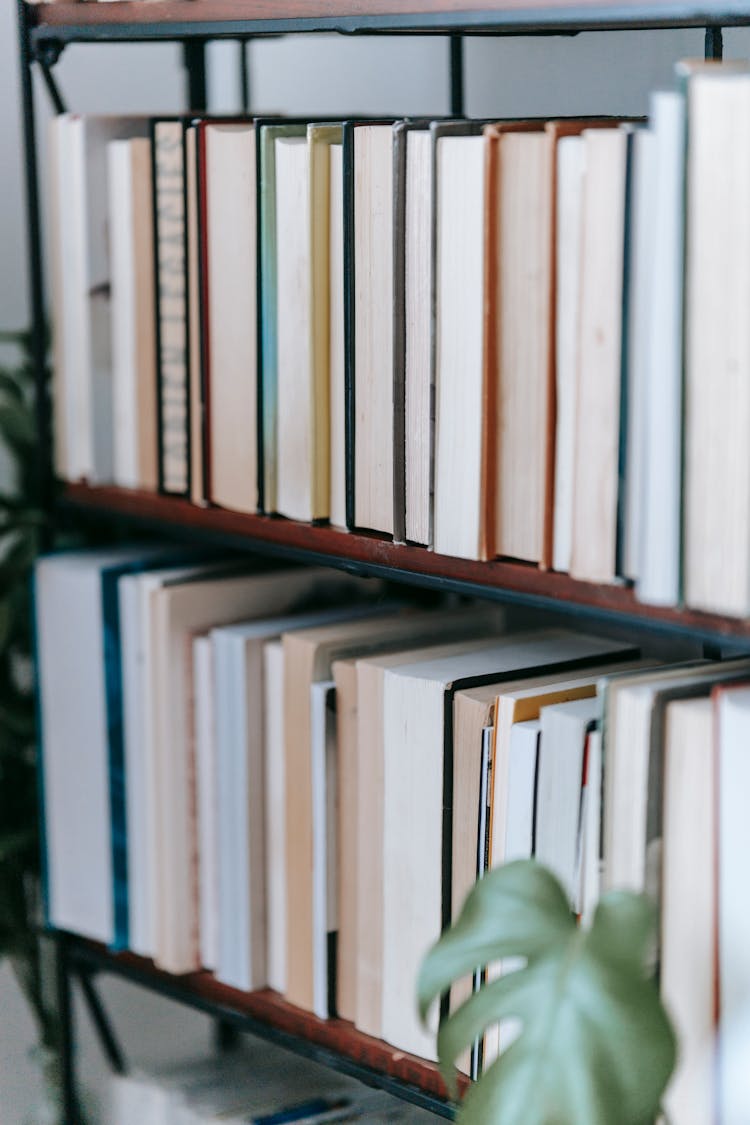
(595, 1044)
(17, 425)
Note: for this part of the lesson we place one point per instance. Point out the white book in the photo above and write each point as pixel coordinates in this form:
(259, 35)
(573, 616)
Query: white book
(209, 813)
(275, 808)
(661, 482)
(337, 430)
(294, 372)
(571, 164)
(74, 694)
(179, 611)
(734, 906)
(592, 817)
(688, 907)
(558, 808)
(459, 282)
(133, 313)
(231, 313)
(522, 773)
(636, 373)
(418, 389)
(324, 857)
(86, 276)
(134, 595)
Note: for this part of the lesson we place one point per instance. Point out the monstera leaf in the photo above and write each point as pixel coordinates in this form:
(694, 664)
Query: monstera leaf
(595, 1046)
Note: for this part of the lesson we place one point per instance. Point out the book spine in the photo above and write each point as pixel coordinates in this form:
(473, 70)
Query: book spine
(399, 334)
(349, 296)
(171, 307)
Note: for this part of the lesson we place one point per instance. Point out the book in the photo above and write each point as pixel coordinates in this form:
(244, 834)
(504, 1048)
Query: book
(559, 795)
(267, 134)
(732, 717)
(141, 801)
(596, 471)
(133, 324)
(688, 929)
(519, 345)
(173, 418)
(460, 392)
(327, 311)
(632, 749)
(659, 565)
(336, 357)
(241, 720)
(178, 611)
(717, 345)
(571, 164)
(435, 635)
(82, 304)
(637, 335)
(372, 321)
(196, 222)
(308, 658)
(275, 810)
(227, 154)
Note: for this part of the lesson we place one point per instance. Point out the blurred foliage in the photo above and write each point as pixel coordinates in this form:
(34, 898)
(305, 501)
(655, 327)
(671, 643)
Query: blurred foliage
(24, 530)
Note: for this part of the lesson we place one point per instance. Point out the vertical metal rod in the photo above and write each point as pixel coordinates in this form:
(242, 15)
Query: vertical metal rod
(65, 1016)
(194, 61)
(36, 276)
(714, 48)
(226, 1036)
(457, 75)
(52, 88)
(245, 75)
(107, 1037)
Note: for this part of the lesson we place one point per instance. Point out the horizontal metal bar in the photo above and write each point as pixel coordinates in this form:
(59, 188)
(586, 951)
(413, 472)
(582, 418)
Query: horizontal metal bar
(79, 953)
(512, 21)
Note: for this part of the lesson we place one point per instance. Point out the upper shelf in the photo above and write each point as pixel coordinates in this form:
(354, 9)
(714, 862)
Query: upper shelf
(177, 19)
(374, 555)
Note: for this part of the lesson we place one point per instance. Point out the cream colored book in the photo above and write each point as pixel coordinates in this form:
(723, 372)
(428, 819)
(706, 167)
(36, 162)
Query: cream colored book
(597, 427)
(232, 333)
(717, 345)
(688, 905)
(336, 393)
(373, 327)
(133, 313)
(195, 331)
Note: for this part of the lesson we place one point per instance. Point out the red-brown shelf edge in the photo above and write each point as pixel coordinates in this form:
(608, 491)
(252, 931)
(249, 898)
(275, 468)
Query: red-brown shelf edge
(370, 550)
(269, 1008)
(142, 12)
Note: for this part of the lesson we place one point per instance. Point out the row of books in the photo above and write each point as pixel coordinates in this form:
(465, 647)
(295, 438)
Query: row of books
(280, 777)
(521, 339)
(259, 1084)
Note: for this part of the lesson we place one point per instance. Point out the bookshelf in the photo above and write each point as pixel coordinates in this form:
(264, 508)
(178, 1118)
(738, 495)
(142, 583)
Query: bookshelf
(44, 31)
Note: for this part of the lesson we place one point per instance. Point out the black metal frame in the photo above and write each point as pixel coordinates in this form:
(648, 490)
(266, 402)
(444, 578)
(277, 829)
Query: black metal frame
(43, 45)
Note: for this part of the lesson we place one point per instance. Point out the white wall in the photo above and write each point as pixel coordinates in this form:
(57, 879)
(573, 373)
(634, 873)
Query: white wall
(602, 73)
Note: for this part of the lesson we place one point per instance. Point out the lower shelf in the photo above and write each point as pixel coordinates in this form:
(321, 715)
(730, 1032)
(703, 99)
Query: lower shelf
(334, 1043)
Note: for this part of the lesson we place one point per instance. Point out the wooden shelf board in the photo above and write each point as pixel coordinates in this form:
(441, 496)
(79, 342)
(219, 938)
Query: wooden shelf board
(174, 17)
(369, 553)
(266, 1011)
